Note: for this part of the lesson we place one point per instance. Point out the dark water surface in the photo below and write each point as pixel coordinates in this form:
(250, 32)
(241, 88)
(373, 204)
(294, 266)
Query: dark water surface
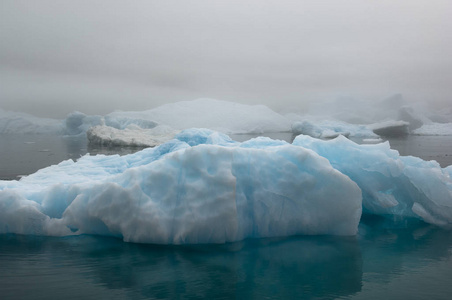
(388, 259)
(25, 154)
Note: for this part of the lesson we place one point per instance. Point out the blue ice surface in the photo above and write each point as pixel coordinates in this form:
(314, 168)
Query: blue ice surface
(203, 187)
(391, 184)
(200, 187)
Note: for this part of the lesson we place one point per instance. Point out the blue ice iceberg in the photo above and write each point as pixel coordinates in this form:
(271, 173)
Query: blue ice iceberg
(200, 187)
(391, 184)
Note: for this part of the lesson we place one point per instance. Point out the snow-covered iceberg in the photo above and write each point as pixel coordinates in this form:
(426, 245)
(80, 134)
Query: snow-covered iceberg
(198, 188)
(133, 136)
(391, 184)
(80, 123)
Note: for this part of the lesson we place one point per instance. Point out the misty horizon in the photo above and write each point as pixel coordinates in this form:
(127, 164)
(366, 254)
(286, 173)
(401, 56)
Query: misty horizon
(99, 57)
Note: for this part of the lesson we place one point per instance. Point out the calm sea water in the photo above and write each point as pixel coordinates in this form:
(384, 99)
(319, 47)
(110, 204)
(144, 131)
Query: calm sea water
(388, 259)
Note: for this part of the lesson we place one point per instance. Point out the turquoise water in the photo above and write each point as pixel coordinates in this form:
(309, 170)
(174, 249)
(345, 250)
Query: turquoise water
(388, 259)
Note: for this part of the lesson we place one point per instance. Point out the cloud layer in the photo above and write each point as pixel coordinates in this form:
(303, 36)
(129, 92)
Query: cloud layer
(98, 56)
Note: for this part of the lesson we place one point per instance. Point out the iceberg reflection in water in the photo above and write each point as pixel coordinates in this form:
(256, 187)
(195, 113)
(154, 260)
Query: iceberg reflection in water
(385, 252)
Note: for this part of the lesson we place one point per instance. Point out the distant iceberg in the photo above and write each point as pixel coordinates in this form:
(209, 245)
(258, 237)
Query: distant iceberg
(391, 128)
(327, 121)
(133, 136)
(200, 187)
(223, 116)
(329, 129)
(17, 122)
(434, 129)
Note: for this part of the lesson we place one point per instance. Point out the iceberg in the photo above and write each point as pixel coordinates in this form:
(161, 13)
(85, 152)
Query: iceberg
(328, 120)
(391, 184)
(223, 116)
(434, 129)
(78, 123)
(17, 122)
(200, 187)
(414, 119)
(132, 136)
(390, 117)
(355, 111)
(391, 128)
(328, 129)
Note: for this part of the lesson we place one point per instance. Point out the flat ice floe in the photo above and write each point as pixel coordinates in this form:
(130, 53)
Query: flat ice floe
(198, 188)
(131, 136)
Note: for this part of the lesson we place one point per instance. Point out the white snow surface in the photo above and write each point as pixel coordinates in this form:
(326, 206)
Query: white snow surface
(200, 187)
(130, 136)
(391, 184)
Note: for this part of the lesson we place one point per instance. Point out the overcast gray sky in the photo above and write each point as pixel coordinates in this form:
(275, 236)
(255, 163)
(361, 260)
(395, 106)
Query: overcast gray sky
(97, 56)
